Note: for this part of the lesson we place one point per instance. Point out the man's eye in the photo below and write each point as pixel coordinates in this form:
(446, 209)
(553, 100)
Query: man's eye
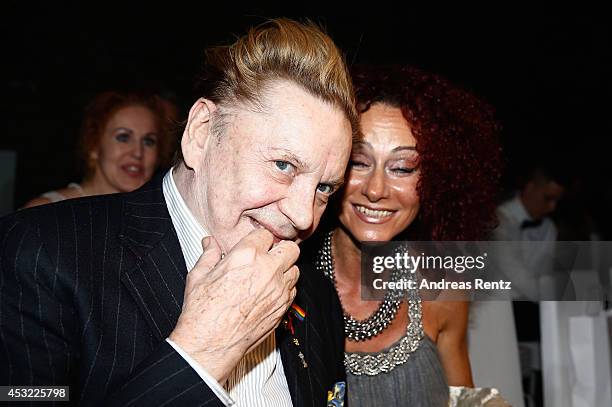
(283, 165)
(325, 188)
(122, 137)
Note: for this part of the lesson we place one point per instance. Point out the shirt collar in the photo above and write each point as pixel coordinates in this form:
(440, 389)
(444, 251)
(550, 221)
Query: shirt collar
(518, 209)
(189, 231)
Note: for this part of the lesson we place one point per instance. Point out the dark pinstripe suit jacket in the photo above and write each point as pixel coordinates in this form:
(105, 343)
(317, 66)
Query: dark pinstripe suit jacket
(90, 288)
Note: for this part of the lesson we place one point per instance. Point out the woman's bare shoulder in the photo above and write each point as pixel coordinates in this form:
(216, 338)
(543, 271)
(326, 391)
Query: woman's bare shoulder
(54, 196)
(40, 200)
(445, 312)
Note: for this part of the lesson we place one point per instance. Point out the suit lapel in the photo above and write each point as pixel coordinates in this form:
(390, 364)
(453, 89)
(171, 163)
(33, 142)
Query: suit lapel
(156, 280)
(301, 371)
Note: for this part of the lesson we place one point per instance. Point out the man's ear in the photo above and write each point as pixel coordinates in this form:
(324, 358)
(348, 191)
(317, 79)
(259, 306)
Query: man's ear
(197, 132)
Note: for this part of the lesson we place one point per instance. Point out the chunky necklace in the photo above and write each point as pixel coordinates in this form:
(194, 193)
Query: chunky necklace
(356, 330)
(372, 364)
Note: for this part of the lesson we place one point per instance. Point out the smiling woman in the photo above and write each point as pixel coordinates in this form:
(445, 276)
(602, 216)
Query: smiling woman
(426, 169)
(124, 138)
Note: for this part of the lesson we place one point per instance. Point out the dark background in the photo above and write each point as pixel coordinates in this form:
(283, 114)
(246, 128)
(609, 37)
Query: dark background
(547, 73)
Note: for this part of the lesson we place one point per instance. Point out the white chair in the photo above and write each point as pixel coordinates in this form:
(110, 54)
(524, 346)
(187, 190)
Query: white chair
(493, 349)
(558, 367)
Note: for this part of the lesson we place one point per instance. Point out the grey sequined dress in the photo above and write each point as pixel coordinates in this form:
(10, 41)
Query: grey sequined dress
(419, 381)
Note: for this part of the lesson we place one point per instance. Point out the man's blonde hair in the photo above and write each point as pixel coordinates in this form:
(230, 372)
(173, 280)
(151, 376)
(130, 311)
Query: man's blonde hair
(280, 49)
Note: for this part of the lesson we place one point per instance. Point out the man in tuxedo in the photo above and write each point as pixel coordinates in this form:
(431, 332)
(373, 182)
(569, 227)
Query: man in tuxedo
(529, 261)
(185, 292)
(526, 218)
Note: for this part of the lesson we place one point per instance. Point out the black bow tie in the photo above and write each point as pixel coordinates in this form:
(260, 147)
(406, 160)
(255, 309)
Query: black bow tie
(530, 224)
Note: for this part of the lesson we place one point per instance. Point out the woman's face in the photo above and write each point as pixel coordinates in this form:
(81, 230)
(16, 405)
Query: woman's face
(126, 156)
(380, 198)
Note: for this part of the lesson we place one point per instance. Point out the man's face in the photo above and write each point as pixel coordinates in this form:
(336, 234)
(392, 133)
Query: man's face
(541, 197)
(274, 169)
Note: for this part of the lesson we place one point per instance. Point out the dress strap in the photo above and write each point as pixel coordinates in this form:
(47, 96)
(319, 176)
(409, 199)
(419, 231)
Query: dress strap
(53, 196)
(77, 187)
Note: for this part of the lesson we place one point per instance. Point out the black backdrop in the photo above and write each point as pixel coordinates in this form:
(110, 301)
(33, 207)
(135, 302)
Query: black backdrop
(547, 73)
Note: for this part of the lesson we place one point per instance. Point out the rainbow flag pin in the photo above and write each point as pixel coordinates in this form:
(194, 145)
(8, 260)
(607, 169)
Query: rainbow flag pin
(298, 312)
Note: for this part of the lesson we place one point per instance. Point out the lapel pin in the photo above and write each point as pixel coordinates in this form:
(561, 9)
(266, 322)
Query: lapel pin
(288, 323)
(303, 359)
(298, 312)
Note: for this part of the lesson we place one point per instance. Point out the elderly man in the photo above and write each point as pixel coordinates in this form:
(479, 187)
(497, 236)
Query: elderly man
(172, 294)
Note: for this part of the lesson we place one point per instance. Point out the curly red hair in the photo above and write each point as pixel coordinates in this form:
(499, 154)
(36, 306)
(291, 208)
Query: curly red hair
(106, 104)
(458, 144)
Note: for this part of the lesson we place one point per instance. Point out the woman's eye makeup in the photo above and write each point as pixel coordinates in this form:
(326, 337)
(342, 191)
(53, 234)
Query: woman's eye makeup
(125, 137)
(404, 166)
(149, 141)
(359, 161)
(122, 137)
(403, 170)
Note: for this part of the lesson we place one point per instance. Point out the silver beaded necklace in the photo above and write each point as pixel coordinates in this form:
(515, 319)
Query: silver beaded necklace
(382, 362)
(356, 330)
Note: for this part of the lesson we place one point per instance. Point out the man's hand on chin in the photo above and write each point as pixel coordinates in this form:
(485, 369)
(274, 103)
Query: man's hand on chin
(232, 305)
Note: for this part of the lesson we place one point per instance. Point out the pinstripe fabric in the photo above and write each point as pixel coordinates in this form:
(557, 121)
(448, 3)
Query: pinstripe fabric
(259, 378)
(90, 288)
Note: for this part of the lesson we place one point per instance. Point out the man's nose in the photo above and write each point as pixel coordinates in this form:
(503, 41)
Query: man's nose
(298, 206)
(375, 187)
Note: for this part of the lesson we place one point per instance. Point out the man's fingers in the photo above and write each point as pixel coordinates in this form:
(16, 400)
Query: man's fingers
(292, 295)
(211, 255)
(291, 276)
(285, 254)
(260, 239)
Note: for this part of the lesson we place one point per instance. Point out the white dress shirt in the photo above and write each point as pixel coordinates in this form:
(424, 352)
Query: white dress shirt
(530, 262)
(259, 378)
(512, 213)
